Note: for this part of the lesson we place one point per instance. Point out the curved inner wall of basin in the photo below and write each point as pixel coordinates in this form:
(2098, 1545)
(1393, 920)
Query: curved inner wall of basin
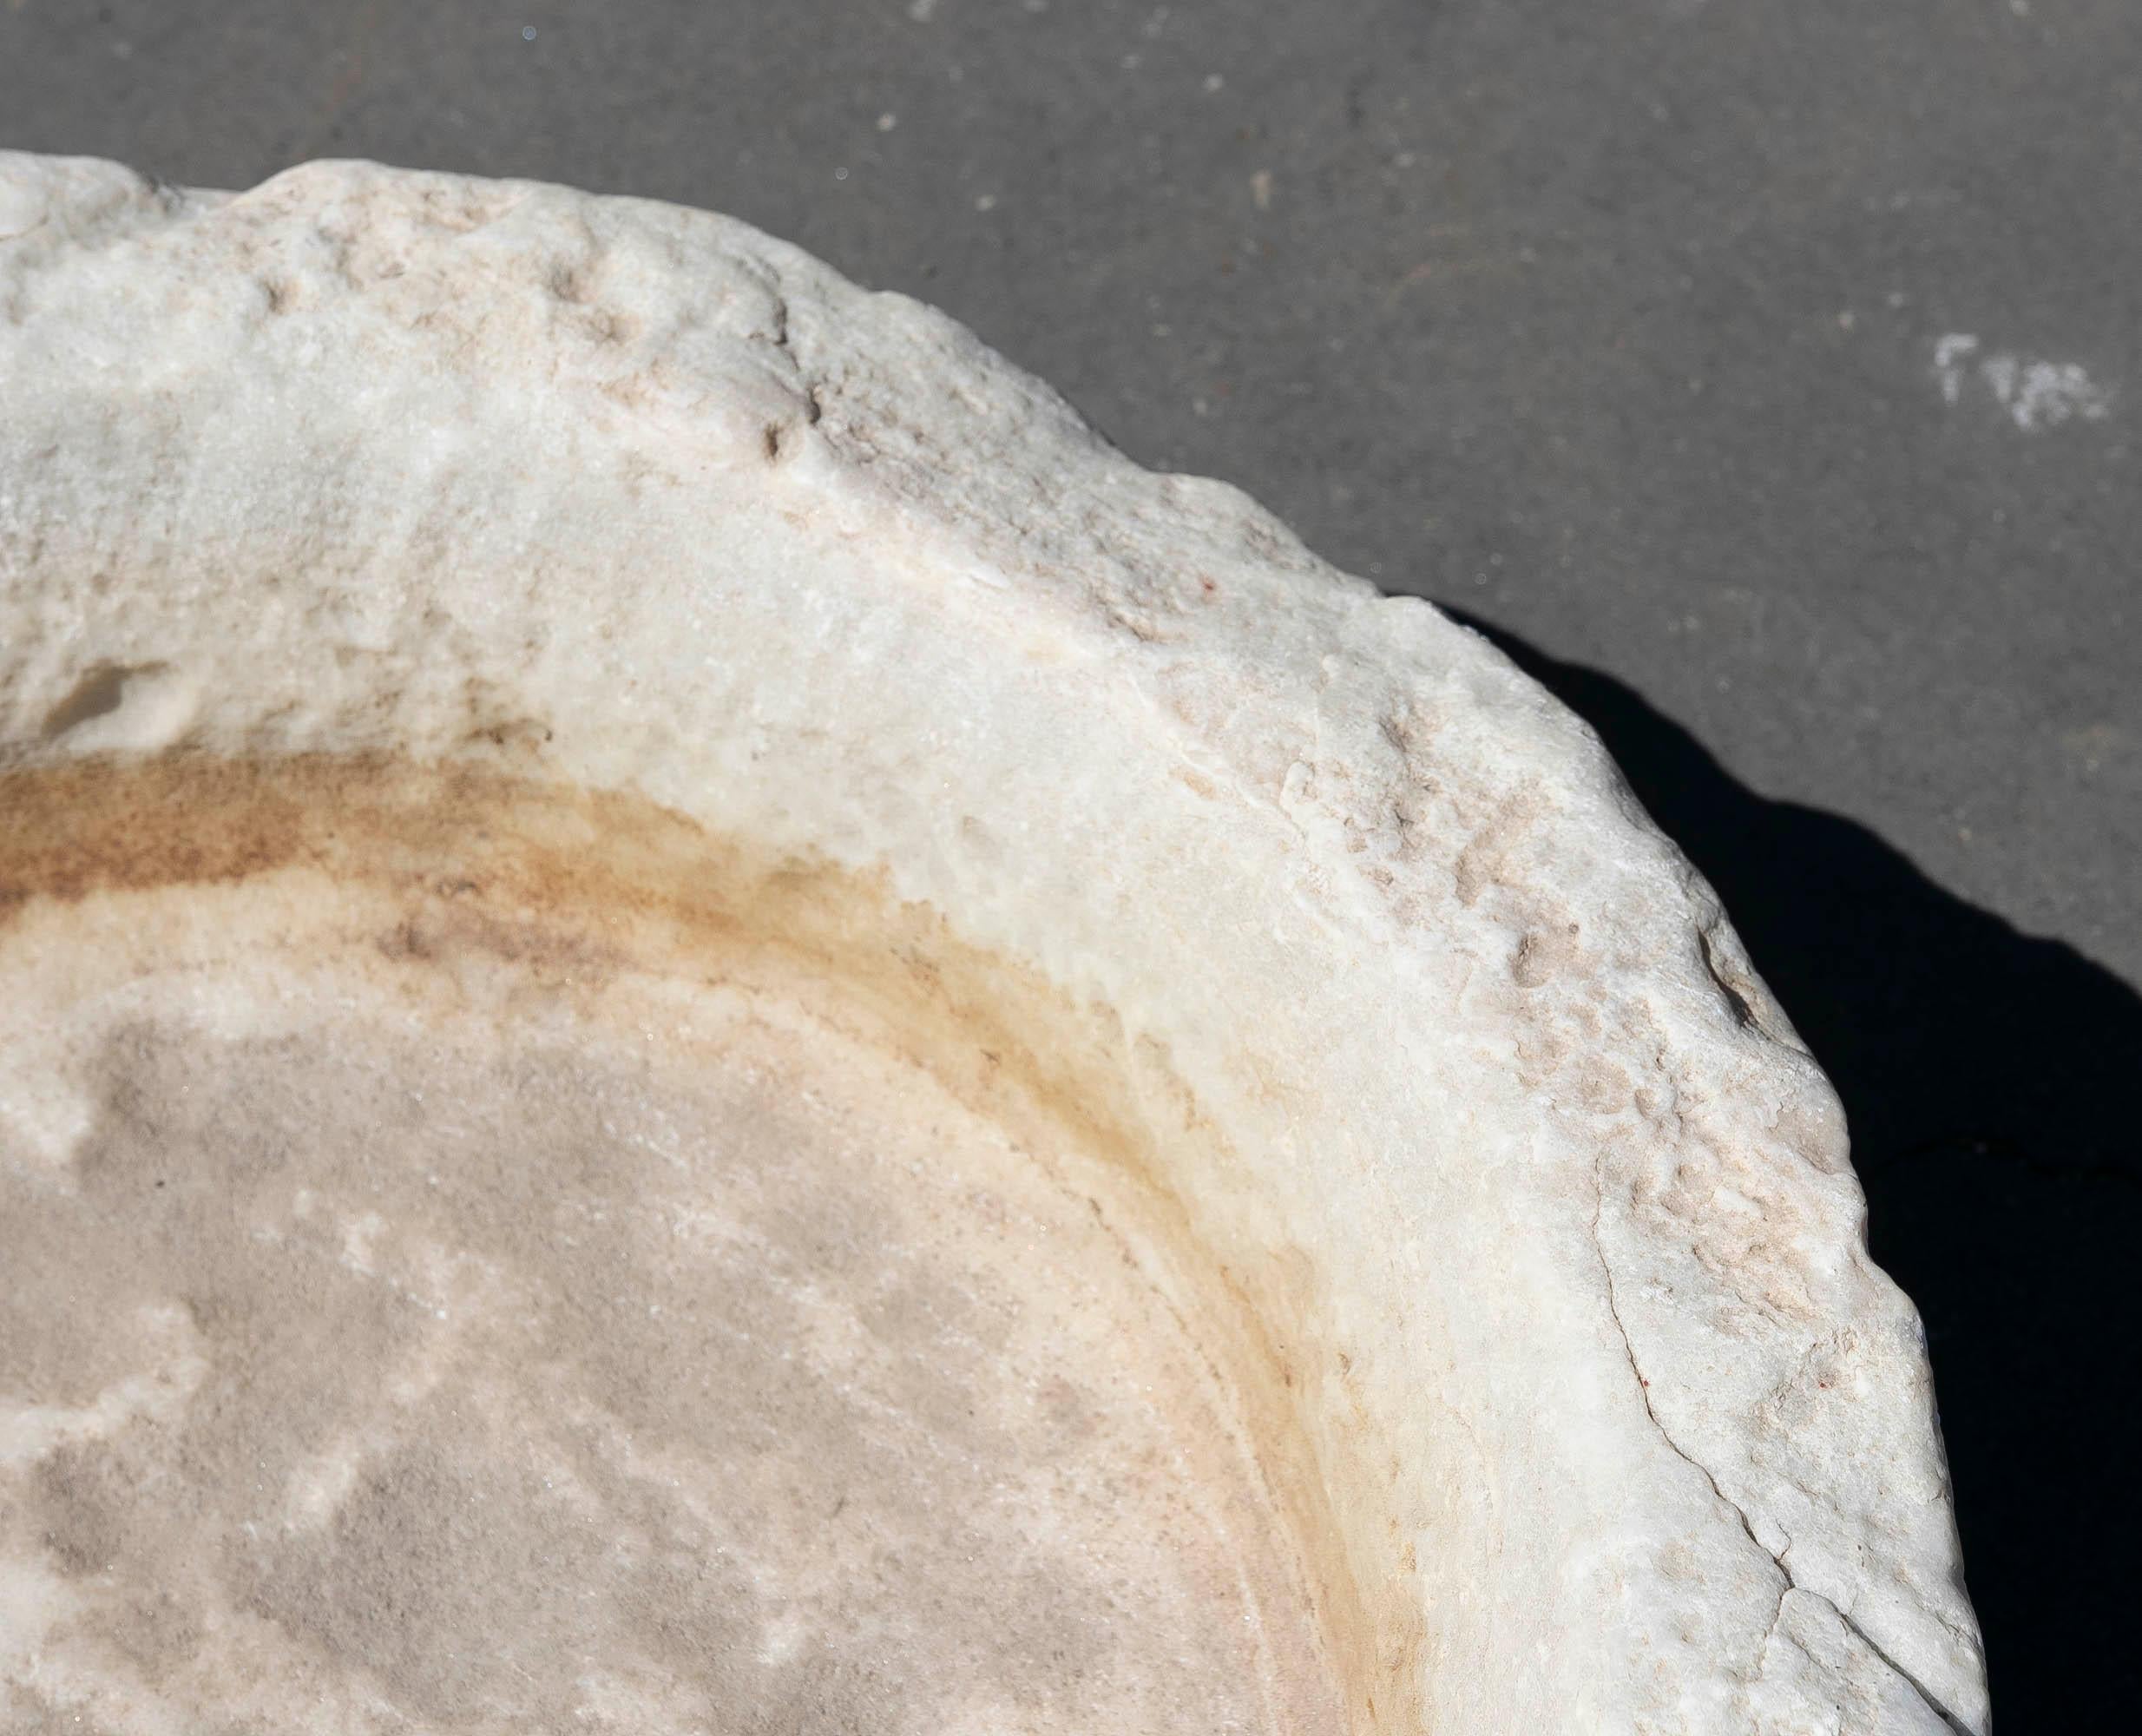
(484, 1253)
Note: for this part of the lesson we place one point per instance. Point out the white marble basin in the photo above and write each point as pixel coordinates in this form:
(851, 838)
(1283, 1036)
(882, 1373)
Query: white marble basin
(706, 1025)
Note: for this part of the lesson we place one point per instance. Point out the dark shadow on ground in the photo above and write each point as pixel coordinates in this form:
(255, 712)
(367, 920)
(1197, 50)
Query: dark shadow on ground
(1991, 1083)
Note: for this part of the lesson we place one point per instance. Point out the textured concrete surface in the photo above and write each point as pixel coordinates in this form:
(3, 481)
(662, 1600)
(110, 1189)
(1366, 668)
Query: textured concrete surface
(1771, 377)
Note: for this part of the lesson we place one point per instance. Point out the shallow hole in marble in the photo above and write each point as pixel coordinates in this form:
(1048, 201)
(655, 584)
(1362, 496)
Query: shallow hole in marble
(98, 694)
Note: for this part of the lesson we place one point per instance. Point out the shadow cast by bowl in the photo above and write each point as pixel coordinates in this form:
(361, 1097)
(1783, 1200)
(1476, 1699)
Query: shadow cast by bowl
(1990, 1081)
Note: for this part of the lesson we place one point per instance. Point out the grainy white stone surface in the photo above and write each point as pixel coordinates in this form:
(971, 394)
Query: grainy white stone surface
(1441, 1053)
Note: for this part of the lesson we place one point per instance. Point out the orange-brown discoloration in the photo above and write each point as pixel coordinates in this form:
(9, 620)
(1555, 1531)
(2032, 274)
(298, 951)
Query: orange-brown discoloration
(572, 887)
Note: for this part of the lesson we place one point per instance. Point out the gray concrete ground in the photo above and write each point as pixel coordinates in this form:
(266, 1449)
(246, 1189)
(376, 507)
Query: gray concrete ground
(1769, 375)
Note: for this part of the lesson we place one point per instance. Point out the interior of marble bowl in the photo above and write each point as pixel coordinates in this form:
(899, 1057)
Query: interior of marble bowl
(489, 1251)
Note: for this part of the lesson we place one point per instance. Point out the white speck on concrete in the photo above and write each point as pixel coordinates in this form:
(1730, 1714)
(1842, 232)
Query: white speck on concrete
(1946, 367)
(922, 10)
(528, 33)
(1214, 81)
(986, 202)
(1260, 189)
(2035, 393)
(887, 122)
(2050, 392)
